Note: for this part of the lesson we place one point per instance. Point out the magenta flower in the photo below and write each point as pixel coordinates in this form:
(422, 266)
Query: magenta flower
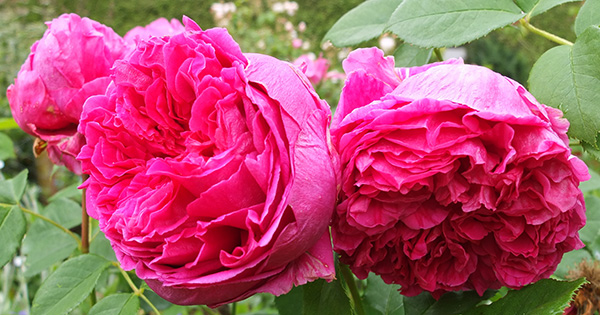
(453, 178)
(158, 27)
(210, 170)
(70, 63)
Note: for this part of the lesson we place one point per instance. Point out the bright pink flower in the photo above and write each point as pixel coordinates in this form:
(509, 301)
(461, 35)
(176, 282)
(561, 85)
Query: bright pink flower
(159, 27)
(70, 63)
(314, 69)
(210, 170)
(453, 178)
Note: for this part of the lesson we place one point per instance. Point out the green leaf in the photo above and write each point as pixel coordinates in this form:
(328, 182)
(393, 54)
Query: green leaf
(45, 243)
(69, 192)
(535, 7)
(362, 23)
(588, 15)
(7, 123)
(592, 184)
(441, 23)
(12, 229)
(546, 296)
(592, 150)
(101, 247)
(318, 297)
(590, 232)
(568, 78)
(7, 149)
(449, 304)
(117, 304)
(70, 284)
(408, 55)
(570, 261)
(12, 190)
(382, 298)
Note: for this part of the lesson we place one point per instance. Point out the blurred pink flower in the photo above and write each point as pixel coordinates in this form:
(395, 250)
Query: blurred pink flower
(211, 172)
(453, 178)
(159, 27)
(70, 63)
(314, 68)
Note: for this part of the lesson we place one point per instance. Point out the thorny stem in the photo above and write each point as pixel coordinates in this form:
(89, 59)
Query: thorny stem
(438, 54)
(136, 291)
(540, 32)
(349, 279)
(64, 229)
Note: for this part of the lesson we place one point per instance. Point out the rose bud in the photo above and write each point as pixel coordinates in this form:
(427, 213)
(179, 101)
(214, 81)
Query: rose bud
(70, 63)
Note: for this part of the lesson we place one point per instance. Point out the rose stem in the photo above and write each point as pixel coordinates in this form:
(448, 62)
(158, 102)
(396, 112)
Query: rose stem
(349, 279)
(136, 291)
(41, 217)
(549, 36)
(85, 222)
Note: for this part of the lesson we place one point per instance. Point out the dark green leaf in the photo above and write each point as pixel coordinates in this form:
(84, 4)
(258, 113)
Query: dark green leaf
(588, 15)
(569, 79)
(546, 296)
(318, 297)
(117, 304)
(381, 298)
(441, 23)
(592, 150)
(408, 55)
(570, 261)
(535, 7)
(70, 284)
(362, 23)
(12, 190)
(450, 303)
(12, 229)
(419, 304)
(7, 149)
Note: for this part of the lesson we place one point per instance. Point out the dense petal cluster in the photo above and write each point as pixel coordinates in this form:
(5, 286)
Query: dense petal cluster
(70, 63)
(211, 171)
(453, 178)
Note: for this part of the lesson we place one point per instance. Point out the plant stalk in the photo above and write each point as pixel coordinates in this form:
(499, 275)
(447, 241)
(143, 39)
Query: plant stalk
(438, 54)
(136, 291)
(349, 279)
(85, 222)
(547, 35)
(64, 229)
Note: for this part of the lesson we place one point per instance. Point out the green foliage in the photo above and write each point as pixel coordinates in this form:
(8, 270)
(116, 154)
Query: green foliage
(7, 150)
(12, 229)
(408, 55)
(568, 78)
(366, 21)
(12, 190)
(117, 304)
(588, 15)
(434, 23)
(546, 296)
(69, 285)
(315, 298)
(381, 298)
(535, 7)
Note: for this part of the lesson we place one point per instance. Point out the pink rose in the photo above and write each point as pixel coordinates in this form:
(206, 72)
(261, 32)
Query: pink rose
(70, 63)
(159, 27)
(315, 69)
(453, 178)
(210, 170)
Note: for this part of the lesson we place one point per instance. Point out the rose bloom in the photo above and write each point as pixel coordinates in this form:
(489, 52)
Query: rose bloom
(210, 170)
(70, 63)
(159, 27)
(453, 178)
(314, 68)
